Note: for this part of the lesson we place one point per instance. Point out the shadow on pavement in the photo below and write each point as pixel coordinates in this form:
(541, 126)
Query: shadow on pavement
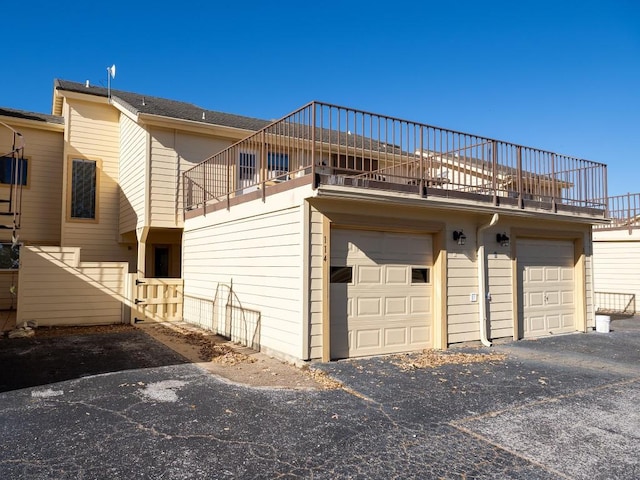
(29, 362)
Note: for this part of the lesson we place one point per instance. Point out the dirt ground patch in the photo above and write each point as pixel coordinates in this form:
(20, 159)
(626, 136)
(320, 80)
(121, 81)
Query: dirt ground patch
(215, 354)
(234, 362)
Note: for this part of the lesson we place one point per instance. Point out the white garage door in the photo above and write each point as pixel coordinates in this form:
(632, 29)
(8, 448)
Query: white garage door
(546, 269)
(380, 292)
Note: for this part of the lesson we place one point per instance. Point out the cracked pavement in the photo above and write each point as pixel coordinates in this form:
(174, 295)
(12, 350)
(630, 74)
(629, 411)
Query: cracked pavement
(122, 405)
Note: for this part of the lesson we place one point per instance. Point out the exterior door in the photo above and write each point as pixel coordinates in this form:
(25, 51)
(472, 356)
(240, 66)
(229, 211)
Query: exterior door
(546, 274)
(380, 292)
(161, 259)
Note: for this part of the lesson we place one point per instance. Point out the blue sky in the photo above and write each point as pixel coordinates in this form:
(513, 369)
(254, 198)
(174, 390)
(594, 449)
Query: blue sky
(557, 75)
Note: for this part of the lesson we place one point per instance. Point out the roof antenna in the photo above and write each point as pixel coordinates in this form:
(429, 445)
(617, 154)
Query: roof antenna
(111, 73)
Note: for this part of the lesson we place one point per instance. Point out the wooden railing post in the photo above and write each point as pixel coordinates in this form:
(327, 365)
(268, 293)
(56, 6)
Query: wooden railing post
(553, 183)
(494, 170)
(422, 175)
(313, 145)
(519, 175)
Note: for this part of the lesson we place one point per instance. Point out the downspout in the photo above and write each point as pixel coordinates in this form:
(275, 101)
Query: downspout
(482, 286)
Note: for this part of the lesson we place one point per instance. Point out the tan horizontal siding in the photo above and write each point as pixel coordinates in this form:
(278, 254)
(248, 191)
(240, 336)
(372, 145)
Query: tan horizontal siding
(261, 256)
(58, 292)
(173, 152)
(41, 208)
(133, 139)
(94, 133)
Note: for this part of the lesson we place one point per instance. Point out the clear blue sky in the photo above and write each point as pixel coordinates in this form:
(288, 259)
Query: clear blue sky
(557, 75)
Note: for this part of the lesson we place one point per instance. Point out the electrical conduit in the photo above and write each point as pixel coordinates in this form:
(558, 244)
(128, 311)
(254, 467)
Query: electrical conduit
(482, 286)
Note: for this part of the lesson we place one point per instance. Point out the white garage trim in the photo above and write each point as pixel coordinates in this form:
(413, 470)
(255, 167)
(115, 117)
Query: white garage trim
(381, 293)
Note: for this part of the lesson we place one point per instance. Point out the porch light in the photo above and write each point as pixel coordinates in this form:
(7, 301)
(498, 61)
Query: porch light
(460, 237)
(502, 239)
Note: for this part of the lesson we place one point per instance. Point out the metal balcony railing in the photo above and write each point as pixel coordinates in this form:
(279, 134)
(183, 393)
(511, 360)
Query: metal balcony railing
(623, 211)
(343, 146)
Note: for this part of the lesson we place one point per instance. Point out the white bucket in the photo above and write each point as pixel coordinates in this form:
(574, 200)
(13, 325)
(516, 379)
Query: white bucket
(602, 323)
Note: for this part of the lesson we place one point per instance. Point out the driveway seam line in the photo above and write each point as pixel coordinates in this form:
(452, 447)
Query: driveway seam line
(484, 439)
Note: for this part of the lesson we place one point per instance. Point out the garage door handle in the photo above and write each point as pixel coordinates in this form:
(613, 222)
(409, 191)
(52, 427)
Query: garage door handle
(546, 298)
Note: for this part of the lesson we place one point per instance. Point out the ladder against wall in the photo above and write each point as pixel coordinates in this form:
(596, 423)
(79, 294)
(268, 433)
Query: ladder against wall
(13, 177)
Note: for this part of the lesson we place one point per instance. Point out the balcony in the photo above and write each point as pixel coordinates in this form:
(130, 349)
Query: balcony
(623, 211)
(330, 146)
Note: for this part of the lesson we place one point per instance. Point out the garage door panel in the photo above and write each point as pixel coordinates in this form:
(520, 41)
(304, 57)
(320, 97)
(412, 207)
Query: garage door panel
(369, 275)
(368, 307)
(552, 274)
(367, 339)
(568, 320)
(547, 295)
(553, 322)
(395, 336)
(567, 274)
(536, 299)
(383, 310)
(397, 275)
(536, 324)
(420, 305)
(535, 274)
(395, 306)
(419, 335)
(552, 298)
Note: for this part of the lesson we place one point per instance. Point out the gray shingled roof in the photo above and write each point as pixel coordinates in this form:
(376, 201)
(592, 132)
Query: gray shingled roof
(139, 103)
(39, 117)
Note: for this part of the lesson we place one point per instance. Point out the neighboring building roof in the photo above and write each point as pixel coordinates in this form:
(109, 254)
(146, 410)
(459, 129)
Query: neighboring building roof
(139, 103)
(38, 117)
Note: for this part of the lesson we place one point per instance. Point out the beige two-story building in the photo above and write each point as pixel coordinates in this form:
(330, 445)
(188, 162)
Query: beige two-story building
(327, 234)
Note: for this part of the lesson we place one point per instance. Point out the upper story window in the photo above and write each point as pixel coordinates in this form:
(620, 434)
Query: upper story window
(247, 166)
(8, 166)
(278, 161)
(277, 166)
(83, 188)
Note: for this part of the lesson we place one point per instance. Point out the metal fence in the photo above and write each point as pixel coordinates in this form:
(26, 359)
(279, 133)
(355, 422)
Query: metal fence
(224, 315)
(351, 147)
(624, 212)
(615, 303)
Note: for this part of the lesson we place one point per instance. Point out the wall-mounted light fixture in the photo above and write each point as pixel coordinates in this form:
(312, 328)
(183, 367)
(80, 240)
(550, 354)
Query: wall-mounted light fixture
(502, 239)
(459, 236)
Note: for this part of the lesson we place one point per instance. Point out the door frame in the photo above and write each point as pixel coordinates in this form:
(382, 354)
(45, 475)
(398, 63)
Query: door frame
(579, 265)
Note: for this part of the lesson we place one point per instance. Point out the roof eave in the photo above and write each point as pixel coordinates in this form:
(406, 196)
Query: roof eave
(194, 126)
(28, 123)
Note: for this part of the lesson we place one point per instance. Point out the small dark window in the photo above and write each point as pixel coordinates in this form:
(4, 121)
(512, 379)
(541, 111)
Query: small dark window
(420, 275)
(8, 173)
(341, 274)
(83, 188)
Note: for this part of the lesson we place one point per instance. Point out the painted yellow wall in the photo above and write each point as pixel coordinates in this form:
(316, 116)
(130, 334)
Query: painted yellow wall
(616, 253)
(41, 206)
(93, 132)
(132, 172)
(462, 314)
(173, 152)
(57, 289)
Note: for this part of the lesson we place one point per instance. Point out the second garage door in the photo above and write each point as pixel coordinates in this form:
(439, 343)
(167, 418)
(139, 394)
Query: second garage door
(546, 273)
(381, 292)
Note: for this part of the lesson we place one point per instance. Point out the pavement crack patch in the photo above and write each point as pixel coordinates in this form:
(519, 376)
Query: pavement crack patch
(576, 393)
(510, 451)
(464, 425)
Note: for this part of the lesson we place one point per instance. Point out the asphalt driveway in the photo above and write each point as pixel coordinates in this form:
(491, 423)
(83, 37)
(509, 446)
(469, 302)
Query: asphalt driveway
(121, 405)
